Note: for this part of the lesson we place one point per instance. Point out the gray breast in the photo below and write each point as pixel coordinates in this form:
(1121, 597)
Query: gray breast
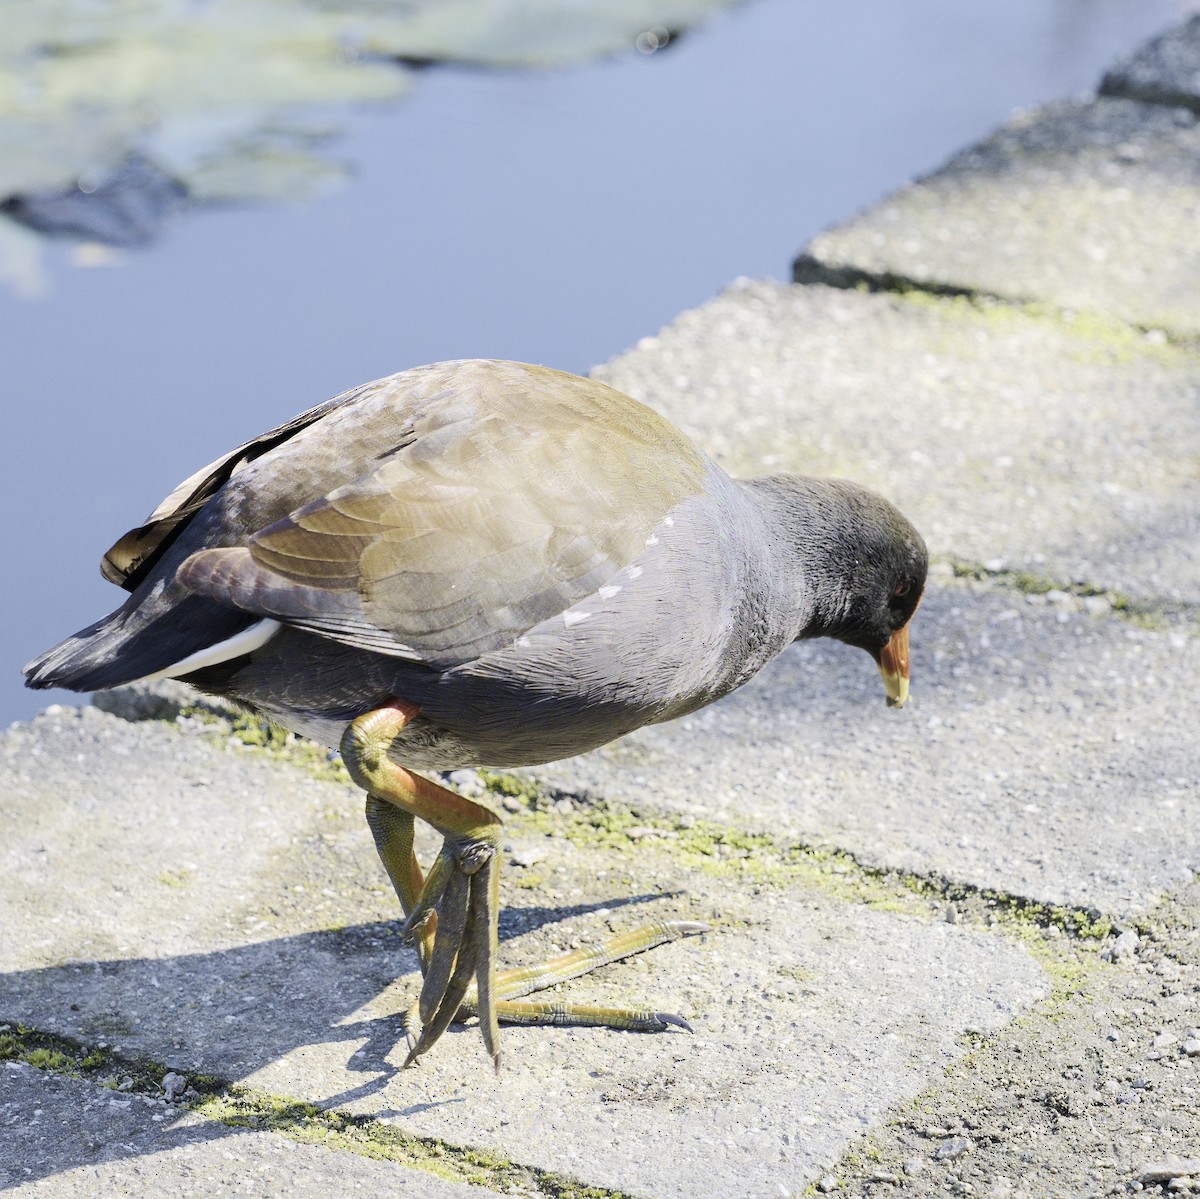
(695, 614)
(687, 621)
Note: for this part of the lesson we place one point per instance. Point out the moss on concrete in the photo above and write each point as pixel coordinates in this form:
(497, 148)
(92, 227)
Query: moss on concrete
(1098, 336)
(237, 1106)
(750, 858)
(256, 733)
(1151, 615)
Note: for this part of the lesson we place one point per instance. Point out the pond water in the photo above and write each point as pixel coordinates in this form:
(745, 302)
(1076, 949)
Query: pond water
(547, 215)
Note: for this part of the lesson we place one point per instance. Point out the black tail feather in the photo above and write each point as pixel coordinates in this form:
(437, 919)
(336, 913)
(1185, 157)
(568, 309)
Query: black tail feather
(133, 642)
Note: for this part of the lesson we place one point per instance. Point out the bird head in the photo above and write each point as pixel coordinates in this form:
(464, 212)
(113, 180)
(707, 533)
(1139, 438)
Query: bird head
(884, 562)
(861, 566)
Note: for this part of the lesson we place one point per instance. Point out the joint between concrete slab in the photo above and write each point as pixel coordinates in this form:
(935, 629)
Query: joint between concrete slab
(241, 1107)
(1152, 614)
(1115, 86)
(758, 857)
(807, 269)
(765, 859)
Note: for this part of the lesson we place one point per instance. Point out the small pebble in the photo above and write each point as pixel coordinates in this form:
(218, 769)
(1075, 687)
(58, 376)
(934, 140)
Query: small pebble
(827, 1184)
(1170, 1167)
(468, 782)
(914, 1166)
(527, 857)
(953, 1149)
(1125, 946)
(1191, 1046)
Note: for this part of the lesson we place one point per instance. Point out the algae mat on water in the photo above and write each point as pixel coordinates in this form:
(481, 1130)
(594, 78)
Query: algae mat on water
(113, 116)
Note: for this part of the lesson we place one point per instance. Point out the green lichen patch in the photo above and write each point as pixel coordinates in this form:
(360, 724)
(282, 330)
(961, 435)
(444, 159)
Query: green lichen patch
(48, 1059)
(176, 879)
(1153, 615)
(240, 1107)
(63, 1055)
(1095, 335)
(256, 733)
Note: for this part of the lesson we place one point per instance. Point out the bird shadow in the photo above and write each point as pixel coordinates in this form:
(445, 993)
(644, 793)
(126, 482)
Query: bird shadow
(230, 1013)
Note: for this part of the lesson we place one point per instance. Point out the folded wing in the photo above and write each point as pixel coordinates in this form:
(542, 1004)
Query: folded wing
(512, 499)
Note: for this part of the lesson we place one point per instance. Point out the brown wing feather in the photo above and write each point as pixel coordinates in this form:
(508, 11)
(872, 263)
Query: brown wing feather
(518, 495)
(130, 559)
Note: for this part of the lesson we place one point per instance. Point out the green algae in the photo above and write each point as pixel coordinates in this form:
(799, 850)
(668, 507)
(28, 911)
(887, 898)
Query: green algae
(236, 1106)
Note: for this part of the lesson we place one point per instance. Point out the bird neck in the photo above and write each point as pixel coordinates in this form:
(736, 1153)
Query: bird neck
(813, 525)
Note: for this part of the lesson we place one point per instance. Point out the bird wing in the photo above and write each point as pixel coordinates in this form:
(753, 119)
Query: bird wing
(132, 557)
(513, 496)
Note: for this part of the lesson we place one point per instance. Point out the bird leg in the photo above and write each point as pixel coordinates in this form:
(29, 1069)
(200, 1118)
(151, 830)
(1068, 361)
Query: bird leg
(462, 944)
(453, 914)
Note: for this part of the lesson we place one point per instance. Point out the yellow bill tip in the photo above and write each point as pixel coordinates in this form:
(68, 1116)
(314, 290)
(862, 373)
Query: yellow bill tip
(894, 667)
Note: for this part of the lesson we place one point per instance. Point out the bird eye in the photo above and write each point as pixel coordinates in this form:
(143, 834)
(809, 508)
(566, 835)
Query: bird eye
(902, 589)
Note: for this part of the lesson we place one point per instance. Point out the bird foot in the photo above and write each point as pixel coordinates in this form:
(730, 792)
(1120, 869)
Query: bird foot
(464, 942)
(452, 914)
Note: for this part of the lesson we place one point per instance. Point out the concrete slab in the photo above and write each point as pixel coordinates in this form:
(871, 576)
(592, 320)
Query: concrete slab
(182, 836)
(1082, 205)
(1029, 443)
(812, 1018)
(813, 1015)
(1049, 753)
(1095, 1095)
(1163, 71)
(64, 1138)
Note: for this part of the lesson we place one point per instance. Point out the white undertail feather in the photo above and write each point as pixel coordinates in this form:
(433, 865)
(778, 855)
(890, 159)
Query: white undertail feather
(256, 636)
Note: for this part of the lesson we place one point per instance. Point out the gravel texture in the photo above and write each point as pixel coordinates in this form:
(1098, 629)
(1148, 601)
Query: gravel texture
(1091, 1096)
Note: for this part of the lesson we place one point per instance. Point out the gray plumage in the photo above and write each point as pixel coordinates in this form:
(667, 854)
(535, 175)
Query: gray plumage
(537, 562)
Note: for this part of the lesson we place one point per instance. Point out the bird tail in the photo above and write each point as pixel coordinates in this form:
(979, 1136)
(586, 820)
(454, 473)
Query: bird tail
(140, 639)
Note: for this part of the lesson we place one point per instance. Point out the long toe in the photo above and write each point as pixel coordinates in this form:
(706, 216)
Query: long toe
(455, 992)
(453, 914)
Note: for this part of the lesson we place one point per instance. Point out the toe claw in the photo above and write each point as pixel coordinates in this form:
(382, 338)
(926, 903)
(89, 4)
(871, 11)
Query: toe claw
(669, 1019)
(410, 1026)
(412, 928)
(687, 928)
